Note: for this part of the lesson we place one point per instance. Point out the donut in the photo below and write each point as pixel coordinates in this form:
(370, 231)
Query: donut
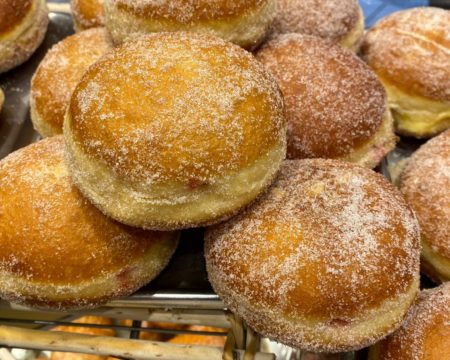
(425, 334)
(58, 251)
(410, 52)
(58, 74)
(326, 261)
(335, 105)
(243, 22)
(425, 183)
(2, 99)
(339, 21)
(87, 14)
(23, 24)
(175, 130)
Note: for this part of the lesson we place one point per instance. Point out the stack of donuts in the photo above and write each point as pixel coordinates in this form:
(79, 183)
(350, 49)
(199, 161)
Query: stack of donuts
(258, 120)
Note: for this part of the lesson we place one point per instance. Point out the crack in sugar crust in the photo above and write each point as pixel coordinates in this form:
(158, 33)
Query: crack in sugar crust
(49, 233)
(331, 19)
(334, 102)
(329, 241)
(88, 13)
(177, 106)
(12, 12)
(425, 333)
(60, 71)
(188, 11)
(411, 49)
(425, 182)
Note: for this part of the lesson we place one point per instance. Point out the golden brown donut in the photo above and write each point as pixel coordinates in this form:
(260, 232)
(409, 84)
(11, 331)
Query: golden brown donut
(58, 74)
(335, 105)
(175, 130)
(326, 261)
(410, 52)
(23, 24)
(87, 14)
(58, 251)
(425, 183)
(341, 21)
(425, 334)
(243, 22)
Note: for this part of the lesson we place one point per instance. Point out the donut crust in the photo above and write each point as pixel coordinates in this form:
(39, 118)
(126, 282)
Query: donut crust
(87, 14)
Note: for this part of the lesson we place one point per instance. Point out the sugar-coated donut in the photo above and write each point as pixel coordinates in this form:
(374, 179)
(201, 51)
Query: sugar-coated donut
(175, 130)
(23, 24)
(335, 105)
(410, 52)
(326, 261)
(425, 183)
(425, 334)
(57, 250)
(87, 14)
(341, 21)
(59, 73)
(243, 22)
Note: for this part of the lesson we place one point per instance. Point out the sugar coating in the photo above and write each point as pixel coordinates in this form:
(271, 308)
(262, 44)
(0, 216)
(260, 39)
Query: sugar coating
(56, 246)
(188, 11)
(334, 101)
(411, 49)
(329, 243)
(177, 106)
(425, 332)
(330, 19)
(425, 182)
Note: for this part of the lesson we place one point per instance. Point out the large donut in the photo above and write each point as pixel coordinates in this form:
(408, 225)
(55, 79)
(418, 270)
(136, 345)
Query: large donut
(57, 250)
(59, 73)
(326, 261)
(175, 130)
(425, 334)
(23, 24)
(410, 52)
(425, 182)
(335, 105)
(87, 14)
(244, 22)
(341, 21)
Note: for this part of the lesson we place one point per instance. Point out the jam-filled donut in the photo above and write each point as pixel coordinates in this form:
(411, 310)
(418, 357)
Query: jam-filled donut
(57, 250)
(326, 261)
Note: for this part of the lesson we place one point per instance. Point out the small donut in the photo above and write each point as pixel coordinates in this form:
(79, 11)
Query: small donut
(59, 73)
(410, 52)
(175, 130)
(23, 24)
(335, 105)
(57, 250)
(326, 261)
(243, 22)
(341, 21)
(87, 14)
(425, 334)
(425, 183)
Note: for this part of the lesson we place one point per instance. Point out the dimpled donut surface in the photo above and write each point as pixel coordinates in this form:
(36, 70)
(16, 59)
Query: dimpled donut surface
(326, 261)
(243, 22)
(175, 130)
(57, 250)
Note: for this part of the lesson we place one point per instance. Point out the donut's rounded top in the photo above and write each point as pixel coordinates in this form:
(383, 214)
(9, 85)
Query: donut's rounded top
(425, 333)
(329, 241)
(88, 13)
(177, 107)
(189, 11)
(334, 101)
(60, 71)
(330, 19)
(411, 49)
(425, 182)
(12, 13)
(49, 232)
